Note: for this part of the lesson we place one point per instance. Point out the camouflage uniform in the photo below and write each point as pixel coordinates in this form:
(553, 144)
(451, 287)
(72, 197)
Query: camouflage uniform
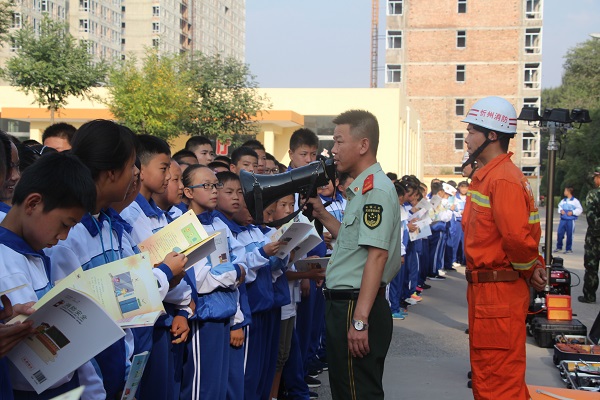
(591, 258)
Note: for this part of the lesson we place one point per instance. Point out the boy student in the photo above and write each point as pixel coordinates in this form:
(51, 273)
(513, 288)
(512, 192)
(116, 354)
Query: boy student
(58, 136)
(260, 344)
(243, 158)
(569, 209)
(206, 366)
(437, 240)
(460, 201)
(271, 166)
(202, 147)
(146, 218)
(170, 199)
(185, 158)
(52, 196)
(260, 151)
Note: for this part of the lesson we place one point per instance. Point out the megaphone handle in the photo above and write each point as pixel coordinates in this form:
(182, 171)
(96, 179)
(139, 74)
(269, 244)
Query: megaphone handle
(258, 203)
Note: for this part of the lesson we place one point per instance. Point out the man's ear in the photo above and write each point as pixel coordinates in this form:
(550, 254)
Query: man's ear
(493, 136)
(31, 202)
(365, 145)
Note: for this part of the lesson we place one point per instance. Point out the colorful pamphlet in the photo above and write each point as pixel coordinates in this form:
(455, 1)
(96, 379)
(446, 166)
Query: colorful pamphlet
(221, 253)
(70, 329)
(307, 264)
(292, 235)
(135, 375)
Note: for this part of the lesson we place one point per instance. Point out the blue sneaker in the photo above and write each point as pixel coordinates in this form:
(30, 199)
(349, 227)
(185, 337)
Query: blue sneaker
(399, 316)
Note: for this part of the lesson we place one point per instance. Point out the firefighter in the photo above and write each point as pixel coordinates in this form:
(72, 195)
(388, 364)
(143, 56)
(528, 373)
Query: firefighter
(502, 232)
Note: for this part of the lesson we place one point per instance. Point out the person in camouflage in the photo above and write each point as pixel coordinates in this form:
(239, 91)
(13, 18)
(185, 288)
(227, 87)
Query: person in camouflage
(591, 258)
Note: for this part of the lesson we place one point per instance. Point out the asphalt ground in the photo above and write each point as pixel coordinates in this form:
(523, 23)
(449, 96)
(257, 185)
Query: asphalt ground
(429, 353)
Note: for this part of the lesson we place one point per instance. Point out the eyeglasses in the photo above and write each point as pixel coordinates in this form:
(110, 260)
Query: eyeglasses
(208, 186)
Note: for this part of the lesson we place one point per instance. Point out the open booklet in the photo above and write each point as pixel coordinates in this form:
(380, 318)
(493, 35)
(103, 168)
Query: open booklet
(70, 329)
(307, 264)
(125, 288)
(300, 237)
(184, 235)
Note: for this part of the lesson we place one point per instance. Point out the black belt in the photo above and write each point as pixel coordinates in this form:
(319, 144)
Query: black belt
(347, 294)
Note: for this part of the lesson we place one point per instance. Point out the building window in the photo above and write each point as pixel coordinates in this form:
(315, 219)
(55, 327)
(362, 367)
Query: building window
(84, 25)
(529, 170)
(530, 145)
(532, 76)
(156, 11)
(83, 5)
(122, 8)
(457, 170)
(462, 6)
(156, 27)
(531, 102)
(460, 73)
(461, 39)
(459, 141)
(459, 105)
(532, 41)
(394, 73)
(394, 39)
(394, 7)
(533, 9)
(154, 42)
(122, 40)
(13, 45)
(16, 20)
(122, 25)
(44, 5)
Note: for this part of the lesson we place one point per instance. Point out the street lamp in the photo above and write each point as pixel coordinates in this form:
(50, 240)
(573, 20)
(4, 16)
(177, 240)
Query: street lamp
(551, 121)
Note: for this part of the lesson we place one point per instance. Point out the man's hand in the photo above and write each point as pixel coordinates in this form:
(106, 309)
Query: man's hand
(538, 279)
(327, 239)
(242, 275)
(180, 329)
(236, 338)
(358, 342)
(317, 206)
(305, 287)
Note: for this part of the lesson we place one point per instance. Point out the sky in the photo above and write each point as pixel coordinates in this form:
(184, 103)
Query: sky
(309, 43)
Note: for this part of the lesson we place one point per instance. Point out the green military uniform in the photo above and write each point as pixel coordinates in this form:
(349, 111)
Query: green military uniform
(591, 257)
(371, 218)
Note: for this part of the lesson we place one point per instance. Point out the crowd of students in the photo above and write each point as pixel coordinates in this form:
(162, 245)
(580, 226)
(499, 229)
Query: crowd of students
(248, 328)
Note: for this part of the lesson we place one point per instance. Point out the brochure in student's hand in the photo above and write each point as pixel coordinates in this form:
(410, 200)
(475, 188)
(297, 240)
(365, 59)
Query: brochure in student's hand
(300, 237)
(70, 329)
(184, 235)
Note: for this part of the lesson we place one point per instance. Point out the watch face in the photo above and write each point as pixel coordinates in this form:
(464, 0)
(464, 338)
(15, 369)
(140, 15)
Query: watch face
(358, 325)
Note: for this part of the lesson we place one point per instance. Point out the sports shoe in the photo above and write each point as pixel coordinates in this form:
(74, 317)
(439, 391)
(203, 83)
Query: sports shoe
(314, 372)
(583, 299)
(451, 269)
(320, 364)
(437, 278)
(416, 297)
(410, 301)
(312, 382)
(456, 264)
(398, 316)
(419, 289)
(568, 251)
(441, 272)
(424, 286)
(313, 395)
(556, 250)
(404, 305)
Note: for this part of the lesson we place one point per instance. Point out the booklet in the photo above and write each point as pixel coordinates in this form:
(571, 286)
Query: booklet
(125, 288)
(423, 230)
(291, 235)
(138, 363)
(308, 243)
(184, 235)
(307, 264)
(70, 329)
(221, 253)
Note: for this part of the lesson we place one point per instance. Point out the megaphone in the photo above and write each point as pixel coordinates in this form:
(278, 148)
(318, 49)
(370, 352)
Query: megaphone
(262, 190)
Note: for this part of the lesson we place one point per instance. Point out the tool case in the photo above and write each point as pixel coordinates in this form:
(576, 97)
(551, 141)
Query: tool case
(545, 331)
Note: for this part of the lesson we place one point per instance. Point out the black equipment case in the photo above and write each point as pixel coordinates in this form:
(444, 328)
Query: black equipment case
(545, 331)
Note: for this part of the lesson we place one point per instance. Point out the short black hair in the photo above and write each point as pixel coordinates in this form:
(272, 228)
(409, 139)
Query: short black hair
(30, 142)
(254, 145)
(393, 176)
(216, 164)
(343, 177)
(270, 157)
(362, 124)
(183, 153)
(61, 130)
(148, 146)
(303, 137)
(195, 141)
(400, 189)
(452, 183)
(240, 152)
(463, 183)
(61, 179)
(227, 176)
(224, 159)
(436, 187)
(5, 154)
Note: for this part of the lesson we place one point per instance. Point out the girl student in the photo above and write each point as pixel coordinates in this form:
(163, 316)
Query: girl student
(206, 364)
(108, 150)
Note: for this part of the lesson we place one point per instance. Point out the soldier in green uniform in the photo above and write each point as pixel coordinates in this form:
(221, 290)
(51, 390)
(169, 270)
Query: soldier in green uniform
(366, 257)
(591, 258)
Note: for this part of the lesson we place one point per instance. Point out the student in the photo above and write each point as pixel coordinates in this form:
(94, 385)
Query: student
(243, 158)
(162, 378)
(218, 166)
(453, 227)
(14, 173)
(271, 167)
(260, 151)
(170, 200)
(185, 158)
(437, 240)
(396, 287)
(59, 136)
(202, 147)
(460, 201)
(52, 196)
(569, 209)
(5, 167)
(216, 285)
(344, 181)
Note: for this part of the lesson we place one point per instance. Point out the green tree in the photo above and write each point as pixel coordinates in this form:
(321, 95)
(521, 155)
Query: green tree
(153, 98)
(6, 17)
(52, 65)
(227, 98)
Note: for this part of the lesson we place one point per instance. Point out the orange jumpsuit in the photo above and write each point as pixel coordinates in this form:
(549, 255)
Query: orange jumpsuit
(502, 232)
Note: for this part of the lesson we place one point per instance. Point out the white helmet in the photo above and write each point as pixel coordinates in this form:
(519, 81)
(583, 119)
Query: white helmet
(494, 113)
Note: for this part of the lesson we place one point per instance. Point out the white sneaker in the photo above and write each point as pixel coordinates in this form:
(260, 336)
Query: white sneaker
(410, 301)
(441, 272)
(456, 264)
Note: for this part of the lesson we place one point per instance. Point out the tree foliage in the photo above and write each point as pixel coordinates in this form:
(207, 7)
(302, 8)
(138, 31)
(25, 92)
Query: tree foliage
(6, 16)
(52, 65)
(167, 95)
(579, 150)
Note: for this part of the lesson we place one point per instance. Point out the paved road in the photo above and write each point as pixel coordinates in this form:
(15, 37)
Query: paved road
(429, 357)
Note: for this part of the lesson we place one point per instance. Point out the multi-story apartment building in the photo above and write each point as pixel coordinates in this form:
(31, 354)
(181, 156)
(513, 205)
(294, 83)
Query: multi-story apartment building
(447, 54)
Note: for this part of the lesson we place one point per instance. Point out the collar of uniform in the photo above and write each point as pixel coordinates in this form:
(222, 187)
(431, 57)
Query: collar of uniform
(357, 185)
(18, 244)
(4, 207)
(481, 173)
(149, 208)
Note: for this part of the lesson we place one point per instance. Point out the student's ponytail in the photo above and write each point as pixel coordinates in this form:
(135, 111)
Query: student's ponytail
(103, 145)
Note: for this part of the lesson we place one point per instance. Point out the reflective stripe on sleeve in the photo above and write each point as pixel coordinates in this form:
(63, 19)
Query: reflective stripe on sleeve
(479, 199)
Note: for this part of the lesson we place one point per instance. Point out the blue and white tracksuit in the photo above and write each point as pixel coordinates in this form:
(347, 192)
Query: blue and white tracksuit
(567, 222)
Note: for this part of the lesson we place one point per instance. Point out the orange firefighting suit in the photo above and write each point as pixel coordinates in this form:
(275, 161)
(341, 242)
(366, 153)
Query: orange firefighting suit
(502, 232)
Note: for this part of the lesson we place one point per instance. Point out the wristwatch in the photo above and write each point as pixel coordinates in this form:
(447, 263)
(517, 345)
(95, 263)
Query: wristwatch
(359, 325)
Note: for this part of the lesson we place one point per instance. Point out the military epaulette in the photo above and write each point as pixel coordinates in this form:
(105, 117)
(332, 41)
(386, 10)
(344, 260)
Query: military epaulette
(367, 184)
